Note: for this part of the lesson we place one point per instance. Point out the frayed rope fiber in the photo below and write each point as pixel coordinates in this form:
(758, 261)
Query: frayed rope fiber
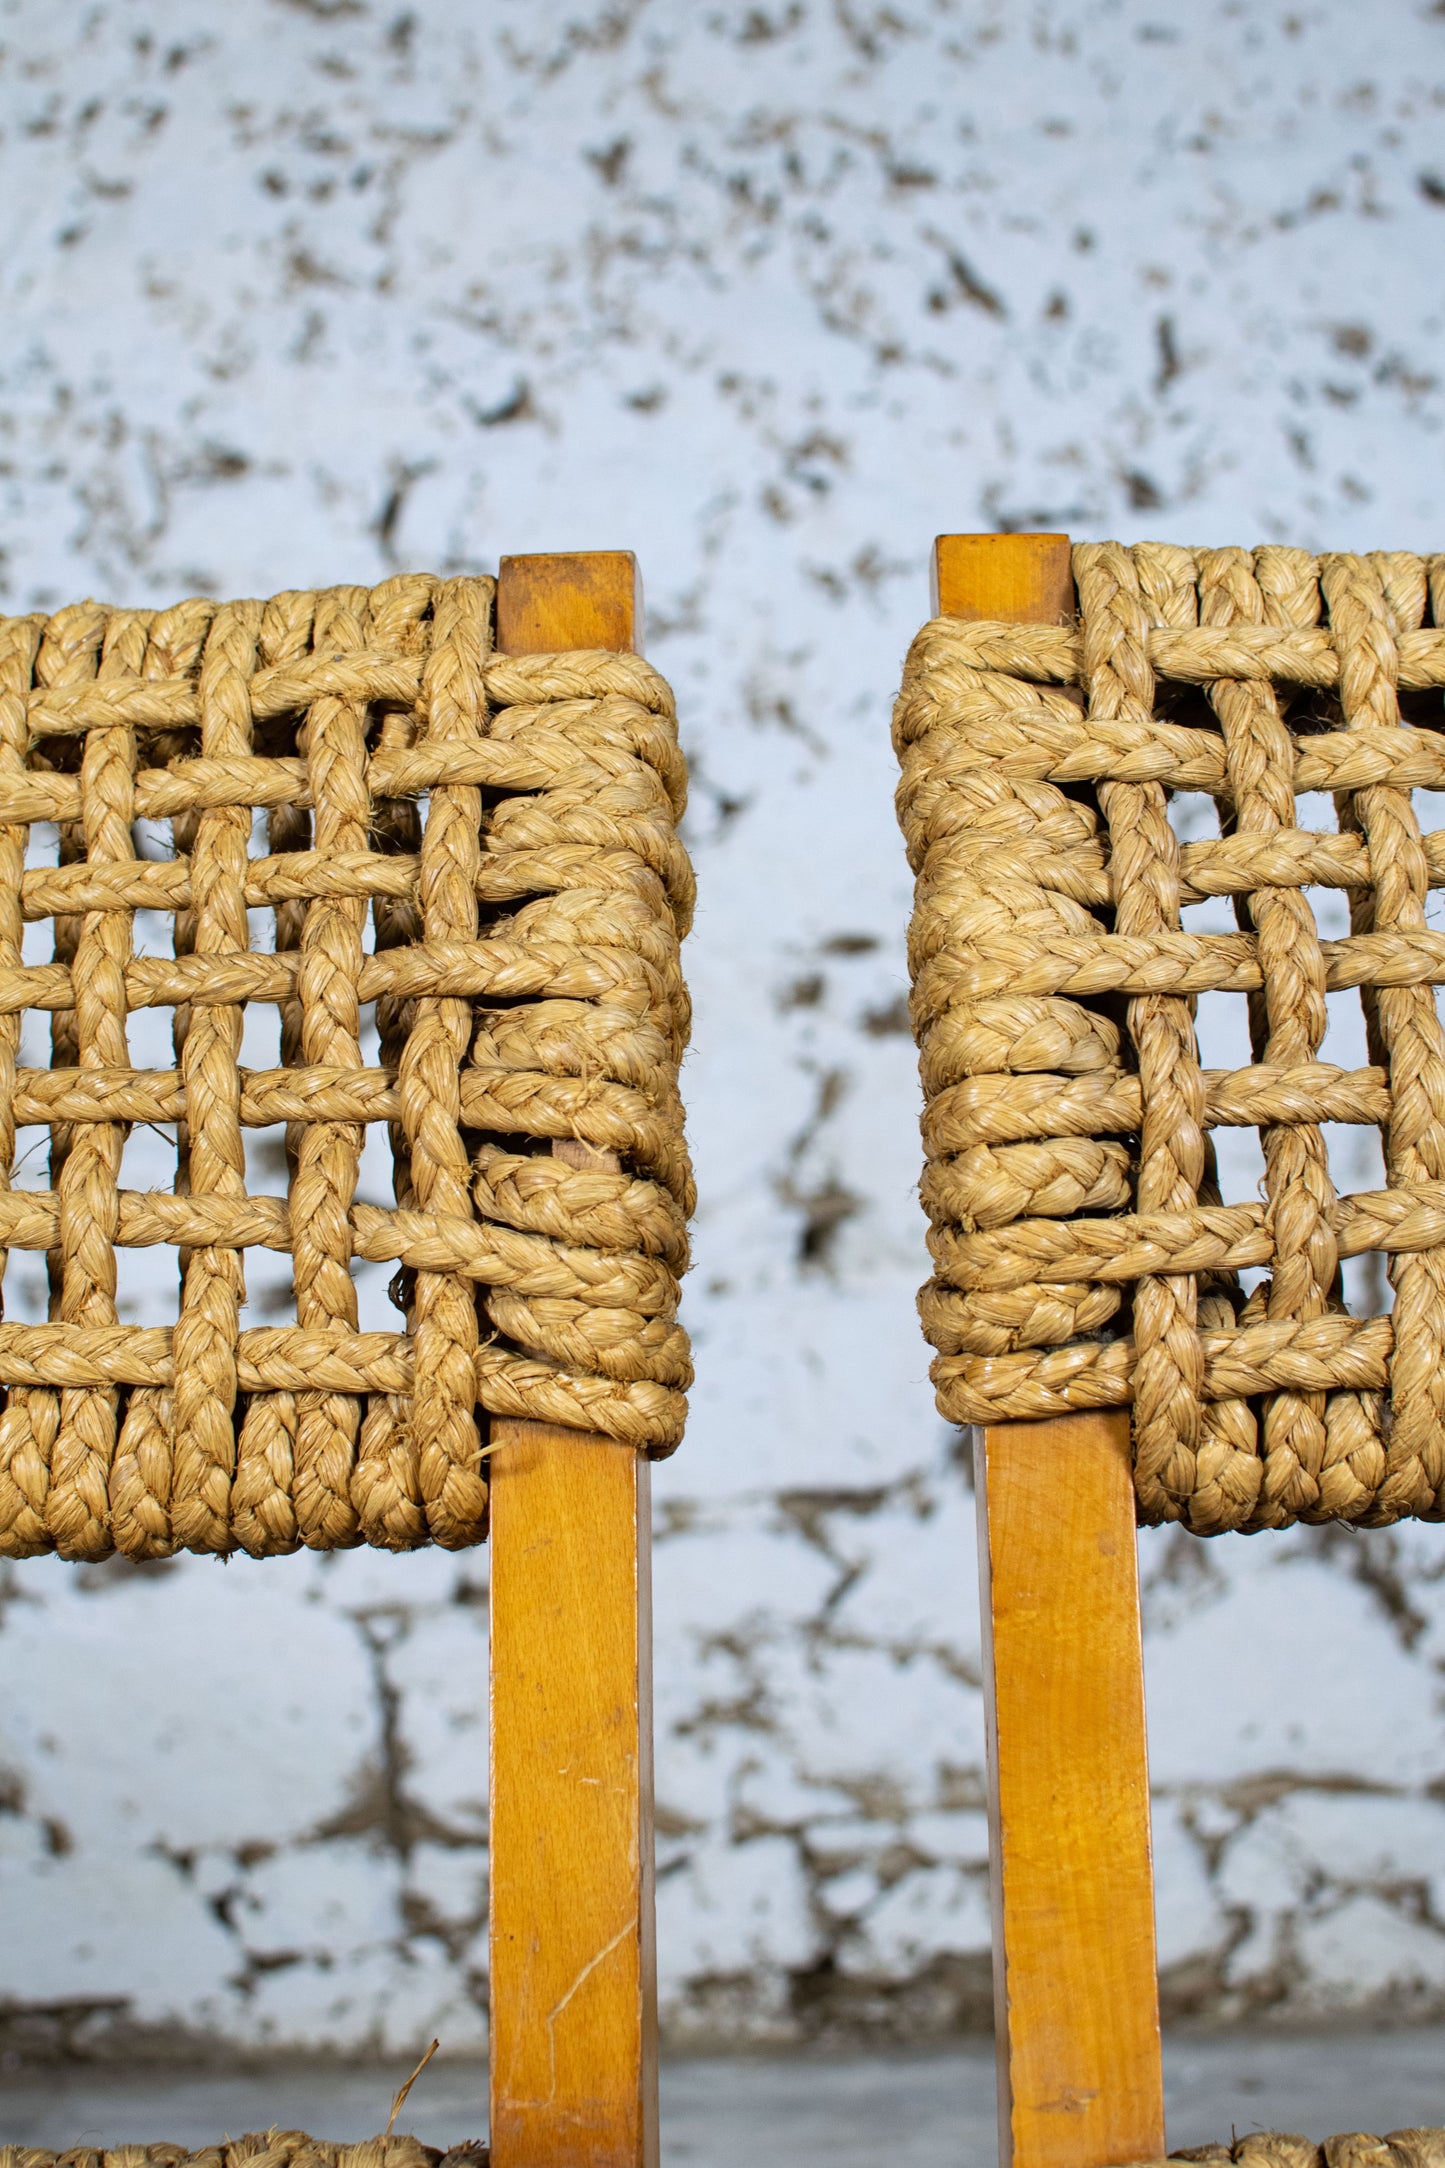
(482, 846)
(1082, 1256)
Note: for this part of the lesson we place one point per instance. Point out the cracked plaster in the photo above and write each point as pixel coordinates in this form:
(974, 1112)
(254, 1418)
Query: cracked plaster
(306, 290)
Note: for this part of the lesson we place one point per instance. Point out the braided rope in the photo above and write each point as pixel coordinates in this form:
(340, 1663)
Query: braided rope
(260, 2149)
(1351, 2149)
(1082, 1257)
(519, 939)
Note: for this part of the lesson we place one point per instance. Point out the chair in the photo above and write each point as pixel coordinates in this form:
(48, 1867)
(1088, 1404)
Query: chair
(531, 1015)
(1085, 1306)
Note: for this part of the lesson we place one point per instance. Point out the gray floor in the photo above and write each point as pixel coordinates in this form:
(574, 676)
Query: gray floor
(914, 2111)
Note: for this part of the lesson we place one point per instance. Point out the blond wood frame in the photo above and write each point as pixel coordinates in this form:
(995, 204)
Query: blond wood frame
(1076, 1994)
(573, 1969)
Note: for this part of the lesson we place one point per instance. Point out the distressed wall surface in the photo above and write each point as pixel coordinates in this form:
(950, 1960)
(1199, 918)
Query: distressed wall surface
(309, 290)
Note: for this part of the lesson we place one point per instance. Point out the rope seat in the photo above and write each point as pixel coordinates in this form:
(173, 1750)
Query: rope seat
(293, 2149)
(1351, 2149)
(1082, 1256)
(260, 2149)
(519, 940)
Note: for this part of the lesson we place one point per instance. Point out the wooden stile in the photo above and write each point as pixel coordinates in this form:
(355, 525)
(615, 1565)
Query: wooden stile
(1075, 1987)
(1075, 1976)
(573, 1968)
(1024, 577)
(592, 598)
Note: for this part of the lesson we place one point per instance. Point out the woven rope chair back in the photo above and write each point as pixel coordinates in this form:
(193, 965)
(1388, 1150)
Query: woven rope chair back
(1164, 804)
(1242, 729)
(284, 884)
(430, 887)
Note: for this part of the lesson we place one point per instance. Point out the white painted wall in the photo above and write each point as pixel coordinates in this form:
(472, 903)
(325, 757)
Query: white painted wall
(306, 290)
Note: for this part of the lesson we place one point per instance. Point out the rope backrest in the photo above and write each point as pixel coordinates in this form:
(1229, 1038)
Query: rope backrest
(1082, 1257)
(360, 804)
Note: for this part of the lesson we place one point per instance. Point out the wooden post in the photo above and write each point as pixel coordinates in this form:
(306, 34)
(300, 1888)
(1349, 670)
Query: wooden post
(1076, 1990)
(573, 1968)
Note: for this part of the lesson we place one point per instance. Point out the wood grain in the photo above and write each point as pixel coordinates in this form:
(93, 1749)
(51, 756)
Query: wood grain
(1075, 1985)
(573, 1963)
(1075, 1976)
(1023, 577)
(590, 598)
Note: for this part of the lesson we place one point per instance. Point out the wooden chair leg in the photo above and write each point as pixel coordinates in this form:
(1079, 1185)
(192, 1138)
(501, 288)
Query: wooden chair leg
(1076, 1998)
(573, 1970)
(1075, 1977)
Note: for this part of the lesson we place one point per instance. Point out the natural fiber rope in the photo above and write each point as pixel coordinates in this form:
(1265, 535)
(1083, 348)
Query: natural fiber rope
(261, 2149)
(1082, 1257)
(1351, 2149)
(520, 942)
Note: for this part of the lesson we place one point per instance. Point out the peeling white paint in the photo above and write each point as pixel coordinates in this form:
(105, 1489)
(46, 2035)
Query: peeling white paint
(308, 290)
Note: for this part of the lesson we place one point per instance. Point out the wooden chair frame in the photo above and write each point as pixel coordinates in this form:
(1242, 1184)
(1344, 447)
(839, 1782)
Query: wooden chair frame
(573, 1970)
(573, 1984)
(1076, 1992)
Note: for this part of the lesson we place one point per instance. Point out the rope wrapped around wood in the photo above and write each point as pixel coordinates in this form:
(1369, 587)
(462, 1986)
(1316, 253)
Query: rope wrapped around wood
(260, 2149)
(484, 847)
(1351, 2149)
(1082, 1256)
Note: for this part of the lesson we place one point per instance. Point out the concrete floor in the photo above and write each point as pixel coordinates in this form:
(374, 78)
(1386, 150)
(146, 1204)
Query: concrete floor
(805, 2111)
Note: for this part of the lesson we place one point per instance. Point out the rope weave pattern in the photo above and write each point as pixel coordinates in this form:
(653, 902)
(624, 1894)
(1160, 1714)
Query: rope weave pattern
(1082, 1257)
(1351, 2149)
(520, 943)
(261, 2149)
